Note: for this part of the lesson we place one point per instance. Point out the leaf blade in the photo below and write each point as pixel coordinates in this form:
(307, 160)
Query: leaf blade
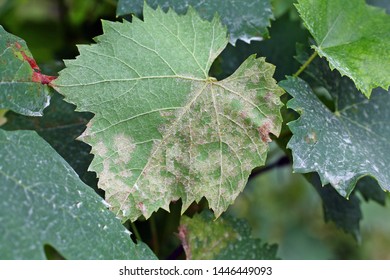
(44, 202)
(23, 89)
(354, 38)
(335, 144)
(246, 20)
(168, 120)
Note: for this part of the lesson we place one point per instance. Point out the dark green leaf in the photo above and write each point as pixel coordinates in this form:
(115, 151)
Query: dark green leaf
(346, 214)
(345, 145)
(60, 126)
(370, 190)
(23, 89)
(246, 19)
(44, 202)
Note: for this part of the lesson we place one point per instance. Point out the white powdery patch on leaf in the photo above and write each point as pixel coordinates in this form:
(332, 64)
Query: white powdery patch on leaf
(163, 130)
(345, 145)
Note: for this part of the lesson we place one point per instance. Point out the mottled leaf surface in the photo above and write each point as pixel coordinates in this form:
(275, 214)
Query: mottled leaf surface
(245, 19)
(354, 38)
(227, 238)
(346, 214)
(345, 145)
(23, 89)
(163, 129)
(44, 202)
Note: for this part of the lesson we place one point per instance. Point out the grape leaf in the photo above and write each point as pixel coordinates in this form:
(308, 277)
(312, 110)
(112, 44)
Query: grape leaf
(354, 38)
(345, 145)
(345, 214)
(44, 202)
(370, 190)
(23, 89)
(163, 129)
(60, 126)
(227, 238)
(246, 20)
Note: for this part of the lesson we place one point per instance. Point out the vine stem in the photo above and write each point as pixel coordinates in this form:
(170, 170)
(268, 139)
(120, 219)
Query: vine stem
(303, 67)
(153, 229)
(135, 231)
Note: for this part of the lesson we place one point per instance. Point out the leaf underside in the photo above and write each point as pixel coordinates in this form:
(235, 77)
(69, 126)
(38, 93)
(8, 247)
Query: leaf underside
(164, 130)
(345, 145)
(354, 38)
(44, 202)
(246, 20)
(22, 87)
(227, 238)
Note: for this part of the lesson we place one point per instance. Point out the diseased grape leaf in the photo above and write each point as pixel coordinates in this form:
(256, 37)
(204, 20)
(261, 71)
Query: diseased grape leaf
(346, 214)
(345, 145)
(354, 38)
(227, 238)
(246, 20)
(44, 202)
(163, 129)
(23, 89)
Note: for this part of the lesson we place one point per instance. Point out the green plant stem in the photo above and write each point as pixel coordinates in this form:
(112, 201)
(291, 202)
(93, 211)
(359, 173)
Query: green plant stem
(303, 67)
(153, 229)
(135, 231)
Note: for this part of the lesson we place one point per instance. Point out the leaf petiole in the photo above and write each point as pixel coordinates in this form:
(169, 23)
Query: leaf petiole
(303, 67)
(135, 231)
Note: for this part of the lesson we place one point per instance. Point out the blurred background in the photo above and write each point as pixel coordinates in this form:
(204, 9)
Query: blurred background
(281, 207)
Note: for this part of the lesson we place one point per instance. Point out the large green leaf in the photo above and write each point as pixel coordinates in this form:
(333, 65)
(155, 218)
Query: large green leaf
(44, 202)
(354, 38)
(163, 129)
(346, 214)
(245, 20)
(227, 238)
(345, 145)
(23, 89)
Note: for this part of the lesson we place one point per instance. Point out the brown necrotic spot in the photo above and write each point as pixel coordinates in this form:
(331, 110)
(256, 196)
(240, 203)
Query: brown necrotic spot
(264, 131)
(311, 138)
